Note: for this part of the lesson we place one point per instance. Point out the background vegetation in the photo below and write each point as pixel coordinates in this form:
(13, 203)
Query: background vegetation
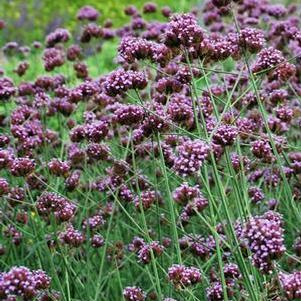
(31, 19)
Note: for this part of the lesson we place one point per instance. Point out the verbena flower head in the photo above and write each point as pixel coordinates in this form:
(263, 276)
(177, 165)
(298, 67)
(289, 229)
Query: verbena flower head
(50, 202)
(21, 68)
(4, 186)
(191, 155)
(132, 49)
(121, 81)
(183, 30)
(291, 285)
(88, 12)
(133, 293)
(145, 252)
(149, 7)
(72, 237)
(129, 114)
(225, 135)
(74, 52)
(267, 58)
(262, 150)
(20, 282)
(264, 236)
(7, 89)
(21, 167)
(146, 199)
(255, 194)
(58, 167)
(97, 151)
(97, 241)
(60, 35)
(251, 39)
(53, 58)
(181, 276)
(185, 193)
(90, 31)
(215, 292)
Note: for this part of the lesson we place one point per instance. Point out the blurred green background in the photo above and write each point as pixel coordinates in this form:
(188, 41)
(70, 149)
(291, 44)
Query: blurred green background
(30, 20)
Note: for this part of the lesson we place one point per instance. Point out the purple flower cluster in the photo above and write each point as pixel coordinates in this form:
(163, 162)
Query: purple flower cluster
(191, 155)
(132, 49)
(60, 35)
(21, 167)
(180, 110)
(94, 222)
(129, 114)
(97, 241)
(146, 199)
(268, 58)
(185, 193)
(291, 285)
(225, 135)
(146, 251)
(72, 237)
(183, 30)
(121, 81)
(198, 245)
(255, 194)
(97, 151)
(149, 7)
(262, 150)
(134, 294)
(22, 68)
(53, 58)
(264, 236)
(7, 89)
(251, 39)
(87, 12)
(182, 276)
(197, 205)
(74, 52)
(50, 202)
(91, 31)
(58, 167)
(20, 282)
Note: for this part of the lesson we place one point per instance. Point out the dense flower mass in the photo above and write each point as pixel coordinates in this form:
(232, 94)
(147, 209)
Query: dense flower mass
(182, 276)
(60, 35)
(22, 282)
(50, 202)
(225, 135)
(264, 235)
(90, 31)
(158, 159)
(291, 285)
(88, 12)
(72, 237)
(53, 58)
(146, 251)
(132, 49)
(267, 59)
(22, 166)
(129, 114)
(191, 155)
(251, 39)
(121, 81)
(7, 89)
(134, 294)
(183, 30)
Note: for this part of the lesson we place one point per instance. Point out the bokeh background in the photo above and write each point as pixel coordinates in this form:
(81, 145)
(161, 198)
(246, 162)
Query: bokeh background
(30, 20)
